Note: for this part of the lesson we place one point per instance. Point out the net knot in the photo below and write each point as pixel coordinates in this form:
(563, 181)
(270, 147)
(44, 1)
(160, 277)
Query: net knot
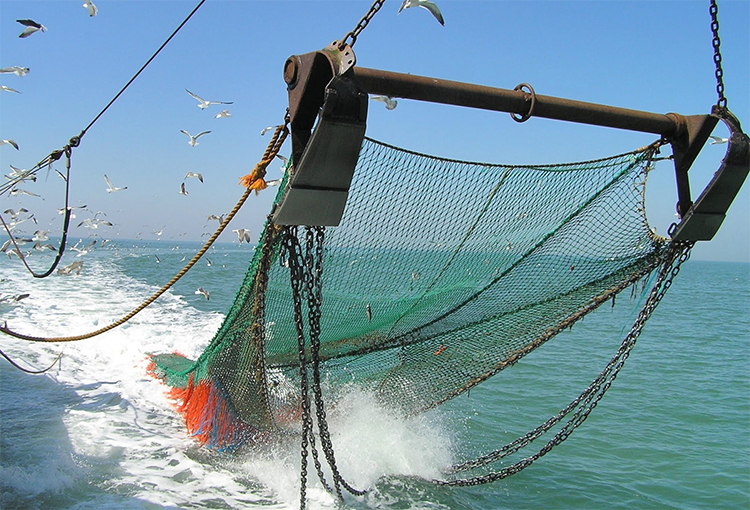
(255, 180)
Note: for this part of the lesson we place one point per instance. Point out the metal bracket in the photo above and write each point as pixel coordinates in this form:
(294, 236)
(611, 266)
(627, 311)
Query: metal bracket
(320, 88)
(701, 220)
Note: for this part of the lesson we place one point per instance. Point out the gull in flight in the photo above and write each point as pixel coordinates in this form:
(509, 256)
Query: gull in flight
(9, 142)
(14, 214)
(19, 191)
(203, 104)
(390, 103)
(223, 114)
(267, 129)
(31, 27)
(88, 4)
(8, 89)
(18, 71)
(71, 268)
(427, 4)
(194, 174)
(203, 291)
(183, 191)
(243, 234)
(194, 139)
(111, 187)
(85, 250)
(94, 223)
(718, 140)
(18, 175)
(220, 218)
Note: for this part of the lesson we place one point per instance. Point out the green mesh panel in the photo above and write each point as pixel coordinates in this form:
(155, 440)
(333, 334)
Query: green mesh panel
(465, 268)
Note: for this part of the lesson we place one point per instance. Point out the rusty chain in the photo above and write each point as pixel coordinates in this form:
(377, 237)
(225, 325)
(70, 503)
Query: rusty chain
(677, 254)
(353, 34)
(714, 10)
(305, 274)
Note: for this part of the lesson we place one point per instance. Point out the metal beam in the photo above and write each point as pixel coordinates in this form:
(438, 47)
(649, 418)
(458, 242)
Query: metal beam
(408, 86)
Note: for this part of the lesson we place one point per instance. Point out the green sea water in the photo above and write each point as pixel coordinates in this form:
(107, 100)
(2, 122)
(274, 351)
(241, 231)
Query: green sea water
(673, 431)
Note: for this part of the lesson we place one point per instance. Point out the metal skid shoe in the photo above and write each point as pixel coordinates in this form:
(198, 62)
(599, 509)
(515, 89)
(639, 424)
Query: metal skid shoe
(321, 88)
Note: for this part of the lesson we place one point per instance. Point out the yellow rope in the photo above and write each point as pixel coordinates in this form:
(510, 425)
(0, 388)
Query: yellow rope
(253, 182)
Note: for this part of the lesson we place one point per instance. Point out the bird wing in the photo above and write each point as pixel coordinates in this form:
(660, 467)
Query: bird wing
(403, 6)
(29, 23)
(195, 96)
(109, 183)
(201, 134)
(183, 131)
(430, 6)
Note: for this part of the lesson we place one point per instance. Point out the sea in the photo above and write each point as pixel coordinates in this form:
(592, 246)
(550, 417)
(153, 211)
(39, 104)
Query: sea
(96, 431)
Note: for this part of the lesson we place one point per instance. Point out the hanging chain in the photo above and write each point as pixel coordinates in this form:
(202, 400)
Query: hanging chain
(676, 255)
(374, 8)
(305, 273)
(714, 10)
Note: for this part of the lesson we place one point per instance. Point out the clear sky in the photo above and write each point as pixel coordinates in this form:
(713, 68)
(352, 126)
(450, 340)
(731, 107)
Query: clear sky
(655, 56)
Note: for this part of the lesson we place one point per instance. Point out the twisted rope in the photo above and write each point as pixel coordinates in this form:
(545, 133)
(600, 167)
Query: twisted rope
(251, 182)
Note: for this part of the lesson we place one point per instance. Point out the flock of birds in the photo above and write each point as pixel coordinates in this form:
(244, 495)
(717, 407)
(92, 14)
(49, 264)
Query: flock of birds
(40, 240)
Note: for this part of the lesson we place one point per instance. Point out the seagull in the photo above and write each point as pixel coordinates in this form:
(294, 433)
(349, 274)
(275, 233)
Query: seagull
(223, 114)
(9, 142)
(88, 4)
(14, 214)
(274, 182)
(243, 234)
(41, 235)
(83, 251)
(267, 129)
(111, 187)
(427, 4)
(203, 291)
(94, 223)
(203, 104)
(183, 191)
(18, 175)
(8, 89)
(717, 140)
(31, 27)
(19, 191)
(194, 174)
(220, 218)
(18, 71)
(194, 139)
(390, 103)
(75, 266)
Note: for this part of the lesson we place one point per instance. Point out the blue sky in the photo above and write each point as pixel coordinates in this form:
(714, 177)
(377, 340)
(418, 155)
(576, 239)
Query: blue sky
(646, 55)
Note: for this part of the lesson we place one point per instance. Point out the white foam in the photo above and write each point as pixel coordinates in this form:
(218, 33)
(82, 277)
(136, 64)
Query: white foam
(124, 435)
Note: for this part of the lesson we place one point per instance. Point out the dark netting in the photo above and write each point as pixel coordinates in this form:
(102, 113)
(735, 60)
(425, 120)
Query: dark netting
(441, 274)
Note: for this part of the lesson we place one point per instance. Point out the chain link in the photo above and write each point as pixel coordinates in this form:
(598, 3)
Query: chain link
(714, 10)
(306, 275)
(374, 8)
(676, 255)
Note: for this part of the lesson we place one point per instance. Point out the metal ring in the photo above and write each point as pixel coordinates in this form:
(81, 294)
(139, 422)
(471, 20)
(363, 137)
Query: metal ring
(527, 115)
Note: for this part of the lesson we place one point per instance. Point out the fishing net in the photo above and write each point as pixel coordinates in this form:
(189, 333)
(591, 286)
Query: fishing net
(441, 274)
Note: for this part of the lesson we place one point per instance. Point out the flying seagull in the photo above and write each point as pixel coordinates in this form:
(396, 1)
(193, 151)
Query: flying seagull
(427, 4)
(88, 4)
(718, 140)
(220, 218)
(243, 234)
(8, 89)
(111, 187)
(223, 114)
(183, 191)
(9, 142)
(203, 104)
(194, 174)
(194, 139)
(390, 103)
(31, 27)
(203, 291)
(17, 70)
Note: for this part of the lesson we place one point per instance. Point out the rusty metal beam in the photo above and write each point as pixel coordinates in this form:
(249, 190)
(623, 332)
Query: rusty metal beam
(408, 86)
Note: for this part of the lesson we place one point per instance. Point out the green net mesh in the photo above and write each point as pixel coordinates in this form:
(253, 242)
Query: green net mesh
(441, 274)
